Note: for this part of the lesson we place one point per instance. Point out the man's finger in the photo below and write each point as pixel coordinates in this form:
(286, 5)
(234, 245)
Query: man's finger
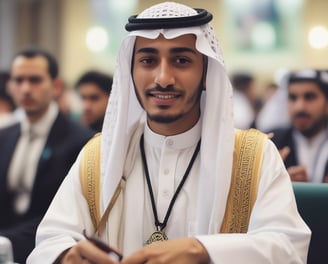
(284, 152)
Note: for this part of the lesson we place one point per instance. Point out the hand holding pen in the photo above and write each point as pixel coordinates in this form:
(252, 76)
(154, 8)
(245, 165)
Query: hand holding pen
(113, 253)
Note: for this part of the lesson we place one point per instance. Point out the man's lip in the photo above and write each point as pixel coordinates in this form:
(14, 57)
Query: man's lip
(27, 101)
(301, 119)
(155, 93)
(164, 98)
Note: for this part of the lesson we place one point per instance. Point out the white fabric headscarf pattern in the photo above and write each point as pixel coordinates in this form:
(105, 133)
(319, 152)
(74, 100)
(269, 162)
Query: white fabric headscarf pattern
(124, 114)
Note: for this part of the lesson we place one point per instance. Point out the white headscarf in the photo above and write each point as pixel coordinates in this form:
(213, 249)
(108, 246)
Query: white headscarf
(274, 114)
(124, 115)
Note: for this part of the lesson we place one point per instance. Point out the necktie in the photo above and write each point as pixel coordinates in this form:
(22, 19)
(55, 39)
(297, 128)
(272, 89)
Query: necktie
(24, 186)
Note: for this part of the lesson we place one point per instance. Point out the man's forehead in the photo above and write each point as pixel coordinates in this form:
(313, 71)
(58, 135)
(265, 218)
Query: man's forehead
(35, 62)
(304, 87)
(187, 40)
(27, 66)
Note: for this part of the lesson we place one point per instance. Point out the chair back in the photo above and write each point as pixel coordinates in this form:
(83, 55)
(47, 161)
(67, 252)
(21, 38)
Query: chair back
(312, 204)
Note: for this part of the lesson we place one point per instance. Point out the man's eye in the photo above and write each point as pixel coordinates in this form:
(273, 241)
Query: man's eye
(94, 98)
(182, 60)
(310, 96)
(147, 61)
(292, 97)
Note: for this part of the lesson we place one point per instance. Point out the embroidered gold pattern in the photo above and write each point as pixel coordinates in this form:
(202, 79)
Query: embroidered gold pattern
(244, 180)
(90, 165)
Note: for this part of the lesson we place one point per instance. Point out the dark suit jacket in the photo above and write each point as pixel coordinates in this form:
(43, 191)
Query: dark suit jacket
(282, 138)
(65, 140)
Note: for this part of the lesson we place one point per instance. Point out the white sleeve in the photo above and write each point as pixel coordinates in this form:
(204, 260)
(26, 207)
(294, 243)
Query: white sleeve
(276, 234)
(64, 221)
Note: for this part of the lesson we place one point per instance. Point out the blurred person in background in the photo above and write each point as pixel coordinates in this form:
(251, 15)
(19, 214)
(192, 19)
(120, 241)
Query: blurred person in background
(245, 103)
(7, 105)
(36, 153)
(94, 89)
(304, 145)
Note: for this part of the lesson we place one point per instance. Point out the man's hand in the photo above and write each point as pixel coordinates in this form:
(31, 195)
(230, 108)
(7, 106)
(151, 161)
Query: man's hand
(87, 253)
(284, 152)
(180, 251)
(298, 173)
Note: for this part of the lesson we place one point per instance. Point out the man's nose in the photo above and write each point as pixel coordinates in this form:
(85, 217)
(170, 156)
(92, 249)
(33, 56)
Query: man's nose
(25, 86)
(165, 75)
(299, 104)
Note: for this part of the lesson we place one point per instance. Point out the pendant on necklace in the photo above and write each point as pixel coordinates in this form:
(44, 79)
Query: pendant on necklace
(158, 235)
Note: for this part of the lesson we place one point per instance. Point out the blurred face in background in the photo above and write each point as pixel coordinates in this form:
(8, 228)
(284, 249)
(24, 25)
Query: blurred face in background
(31, 85)
(308, 107)
(94, 103)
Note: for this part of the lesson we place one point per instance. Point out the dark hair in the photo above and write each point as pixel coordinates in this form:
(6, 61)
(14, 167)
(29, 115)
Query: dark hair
(4, 78)
(102, 80)
(33, 52)
(241, 81)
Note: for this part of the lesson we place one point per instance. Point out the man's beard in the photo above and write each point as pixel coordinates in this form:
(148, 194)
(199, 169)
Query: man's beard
(164, 119)
(315, 127)
(168, 118)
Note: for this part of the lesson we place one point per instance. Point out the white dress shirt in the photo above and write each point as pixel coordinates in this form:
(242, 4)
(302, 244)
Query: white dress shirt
(22, 169)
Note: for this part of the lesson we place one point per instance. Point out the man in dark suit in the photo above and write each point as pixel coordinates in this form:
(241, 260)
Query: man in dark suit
(35, 154)
(304, 146)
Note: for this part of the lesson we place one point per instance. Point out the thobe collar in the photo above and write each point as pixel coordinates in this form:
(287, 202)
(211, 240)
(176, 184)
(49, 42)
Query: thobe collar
(315, 140)
(309, 152)
(184, 140)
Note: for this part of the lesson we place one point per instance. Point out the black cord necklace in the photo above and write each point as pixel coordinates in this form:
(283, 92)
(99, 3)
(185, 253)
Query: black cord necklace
(159, 234)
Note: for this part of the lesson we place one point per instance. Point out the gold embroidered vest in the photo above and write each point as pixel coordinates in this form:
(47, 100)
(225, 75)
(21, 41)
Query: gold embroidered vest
(247, 160)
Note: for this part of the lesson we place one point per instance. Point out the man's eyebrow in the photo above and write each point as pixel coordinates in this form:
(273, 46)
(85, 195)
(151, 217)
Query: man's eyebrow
(172, 51)
(147, 50)
(182, 49)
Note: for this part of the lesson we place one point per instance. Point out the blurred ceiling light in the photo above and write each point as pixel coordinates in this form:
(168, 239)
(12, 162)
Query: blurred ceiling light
(263, 36)
(96, 39)
(318, 37)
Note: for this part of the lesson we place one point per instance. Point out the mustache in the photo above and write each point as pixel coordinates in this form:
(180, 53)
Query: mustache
(301, 114)
(158, 88)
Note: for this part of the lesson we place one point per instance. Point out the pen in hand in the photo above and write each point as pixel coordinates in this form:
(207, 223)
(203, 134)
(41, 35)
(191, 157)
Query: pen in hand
(102, 246)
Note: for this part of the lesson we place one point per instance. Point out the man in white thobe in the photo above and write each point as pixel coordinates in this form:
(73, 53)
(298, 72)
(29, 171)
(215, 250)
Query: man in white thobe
(170, 95)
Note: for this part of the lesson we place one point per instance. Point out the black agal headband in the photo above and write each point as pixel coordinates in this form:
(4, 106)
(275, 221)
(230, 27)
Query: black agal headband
(320, 77)
(201, 18)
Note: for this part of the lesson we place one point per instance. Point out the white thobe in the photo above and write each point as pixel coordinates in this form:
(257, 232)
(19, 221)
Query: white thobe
(310, 152)
(276, 233)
